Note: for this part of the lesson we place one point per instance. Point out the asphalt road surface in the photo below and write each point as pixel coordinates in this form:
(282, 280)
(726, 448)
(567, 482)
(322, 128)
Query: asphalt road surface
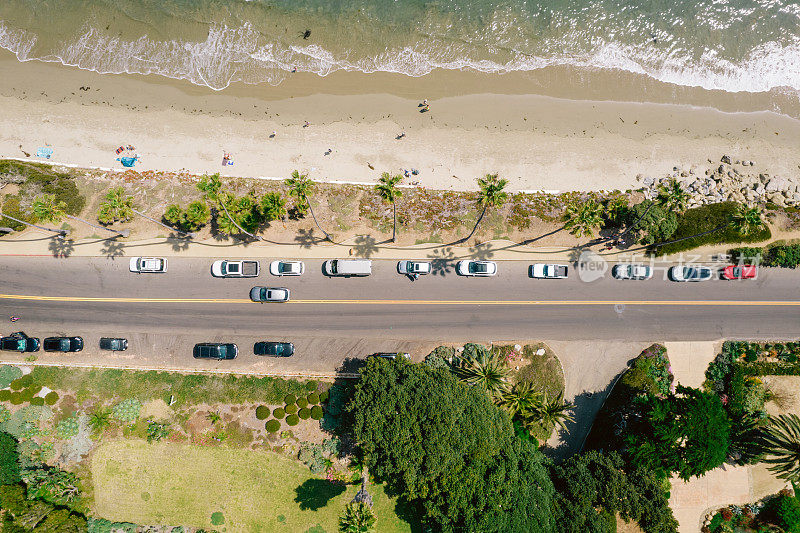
(169, 312)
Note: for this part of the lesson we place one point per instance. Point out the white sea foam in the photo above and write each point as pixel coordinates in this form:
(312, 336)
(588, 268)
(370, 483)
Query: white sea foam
(241, 53)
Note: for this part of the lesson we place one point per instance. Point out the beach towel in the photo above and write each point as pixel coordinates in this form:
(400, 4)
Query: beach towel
(44, 151)
(120, 150)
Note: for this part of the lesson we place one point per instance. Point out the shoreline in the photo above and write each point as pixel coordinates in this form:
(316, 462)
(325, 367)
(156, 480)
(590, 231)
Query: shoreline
(536, 141)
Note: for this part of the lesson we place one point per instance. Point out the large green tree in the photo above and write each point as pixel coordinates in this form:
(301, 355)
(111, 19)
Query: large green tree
(357, 517)
(687, 433)
(654, 223)
(388, 191)
(583, 218)
(591, 487)
(9, 460)
(490, 194)
(445, 448)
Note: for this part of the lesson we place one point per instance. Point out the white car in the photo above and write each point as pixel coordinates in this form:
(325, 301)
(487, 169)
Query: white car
(286, 268)
(148, 264)
(690, 273)
(235, 269)
(476, 268)
(411, 268)
(626, 271)
(545, 271)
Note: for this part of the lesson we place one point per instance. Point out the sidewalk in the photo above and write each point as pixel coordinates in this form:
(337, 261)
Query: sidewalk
(41, 243)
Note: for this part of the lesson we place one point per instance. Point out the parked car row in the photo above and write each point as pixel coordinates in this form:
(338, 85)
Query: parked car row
(20, 342)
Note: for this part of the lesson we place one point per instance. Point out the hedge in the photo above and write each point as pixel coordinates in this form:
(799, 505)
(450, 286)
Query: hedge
(304, 414)
(316, 412)
(272, 425)
(706, 218)
(262, 412)
(776, 255)
(769, 368)
(279, 413)
(313, 398)
(292, 420)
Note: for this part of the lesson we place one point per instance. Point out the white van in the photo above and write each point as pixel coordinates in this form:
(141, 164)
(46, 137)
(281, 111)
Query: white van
(347, 267)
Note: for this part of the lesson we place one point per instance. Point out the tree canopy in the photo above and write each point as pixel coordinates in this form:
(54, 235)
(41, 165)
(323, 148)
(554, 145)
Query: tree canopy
(445, 448)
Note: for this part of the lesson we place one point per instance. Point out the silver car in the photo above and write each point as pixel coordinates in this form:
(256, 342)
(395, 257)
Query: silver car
(269, 294)
(632, 271)
(411, 268)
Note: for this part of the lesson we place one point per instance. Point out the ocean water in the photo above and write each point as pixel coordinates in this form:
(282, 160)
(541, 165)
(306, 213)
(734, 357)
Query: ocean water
(731, 45)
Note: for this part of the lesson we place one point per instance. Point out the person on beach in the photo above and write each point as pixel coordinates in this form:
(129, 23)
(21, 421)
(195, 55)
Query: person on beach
(305, 125)
(274, 133)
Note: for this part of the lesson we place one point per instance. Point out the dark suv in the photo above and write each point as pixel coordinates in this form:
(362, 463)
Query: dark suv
(215, 350)
(19, 342)
(113, 344)
(274, 349)
(63, 344)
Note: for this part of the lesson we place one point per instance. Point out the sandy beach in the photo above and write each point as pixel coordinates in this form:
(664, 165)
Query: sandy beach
(476, 124)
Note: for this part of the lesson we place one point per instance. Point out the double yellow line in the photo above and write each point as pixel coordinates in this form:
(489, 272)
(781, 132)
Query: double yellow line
(677, 303)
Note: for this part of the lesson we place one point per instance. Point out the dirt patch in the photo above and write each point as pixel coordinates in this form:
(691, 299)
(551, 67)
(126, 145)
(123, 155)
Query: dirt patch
(157, 409)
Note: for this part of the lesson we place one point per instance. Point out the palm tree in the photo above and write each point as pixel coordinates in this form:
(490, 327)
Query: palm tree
(301, 187)
(553, 411)
(358, 517)
(491, 194)
(582, 218)
(243, 216)
(747, 219)
(520, 398)
(486, 371)
(116, 206)
(59, 232)
(673, 196)
(388, 191)
(46, 208)
(780, 444)
(100, 420)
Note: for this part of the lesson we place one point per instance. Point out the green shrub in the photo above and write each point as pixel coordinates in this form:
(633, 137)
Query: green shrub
(323, 396)
(262, 412)
(217, 519)
(316, 412)
(27, 395)
(440, 357)
(289, 399)
(654, 223)
(156, 431)
(5, 395)
(26, 380)
(67, 428)
(35, 389)
(17, 384)
(11, 206)
(304, 413)
(16, 398)
(311, 385)
(279, 413)
(786, 256)
(9, 460)
(5, 414)
(42, 178)
(313, 398)
(292, 420)
(127, 410)
(706, 218)
(312, 456)
(786, 510)
(8, 373)
(37, 400)
(302, 403)
(290, 409)
(272, 425)
(51, 398)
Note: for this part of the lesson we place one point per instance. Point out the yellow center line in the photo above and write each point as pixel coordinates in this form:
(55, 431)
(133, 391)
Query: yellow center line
(723, 303)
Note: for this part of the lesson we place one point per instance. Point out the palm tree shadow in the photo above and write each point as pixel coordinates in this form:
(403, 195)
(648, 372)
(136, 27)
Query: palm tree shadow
(441, 261)
(365, 246)
(178, 242)
(112, 248)
(481, 251)
(306, 238)
(61, 248)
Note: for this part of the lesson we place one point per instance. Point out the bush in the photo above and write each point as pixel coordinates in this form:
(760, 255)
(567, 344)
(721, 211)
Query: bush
(786, 256)
(311, 385)
(9, 460)
(26, 395)
(127, 411)
(706, 218)
(262, 412)
(313, 398)
(786, 510)
(272, 426)
(745, 255)
(440, 357)
(16, 398)
(302, 403)
(292, 420)
(17, 384)
(12, 207)
(38, 401)
(304, 413)
(653, 223)
(26, 380)
(156, 431)
(42, 178)
(323, 396)
(289, 399)
(279, 413)
(35, 389)
(316, 412)
(5, 395)
(51, 398)
(67, 428)
(290, 409)
(8, 373)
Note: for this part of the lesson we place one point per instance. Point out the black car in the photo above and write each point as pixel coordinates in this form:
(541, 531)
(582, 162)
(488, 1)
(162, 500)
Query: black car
(19, 342)
(113, 344)
(391, 355)
(63, 344)
(274, 349)
(215, 350)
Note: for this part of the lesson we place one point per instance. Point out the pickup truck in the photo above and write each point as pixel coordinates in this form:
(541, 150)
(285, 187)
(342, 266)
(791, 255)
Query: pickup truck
(235, 269)
(543, 271)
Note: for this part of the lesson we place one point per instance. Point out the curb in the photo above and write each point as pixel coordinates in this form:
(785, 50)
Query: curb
(308, 375)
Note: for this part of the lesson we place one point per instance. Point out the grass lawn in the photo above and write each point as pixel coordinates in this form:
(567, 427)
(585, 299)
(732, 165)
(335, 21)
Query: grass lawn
(255, 491)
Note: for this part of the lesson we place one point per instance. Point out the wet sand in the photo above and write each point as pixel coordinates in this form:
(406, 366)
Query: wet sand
(513, 125)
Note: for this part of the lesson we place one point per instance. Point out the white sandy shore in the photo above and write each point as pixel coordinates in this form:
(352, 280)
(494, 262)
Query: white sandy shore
(537, 142)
